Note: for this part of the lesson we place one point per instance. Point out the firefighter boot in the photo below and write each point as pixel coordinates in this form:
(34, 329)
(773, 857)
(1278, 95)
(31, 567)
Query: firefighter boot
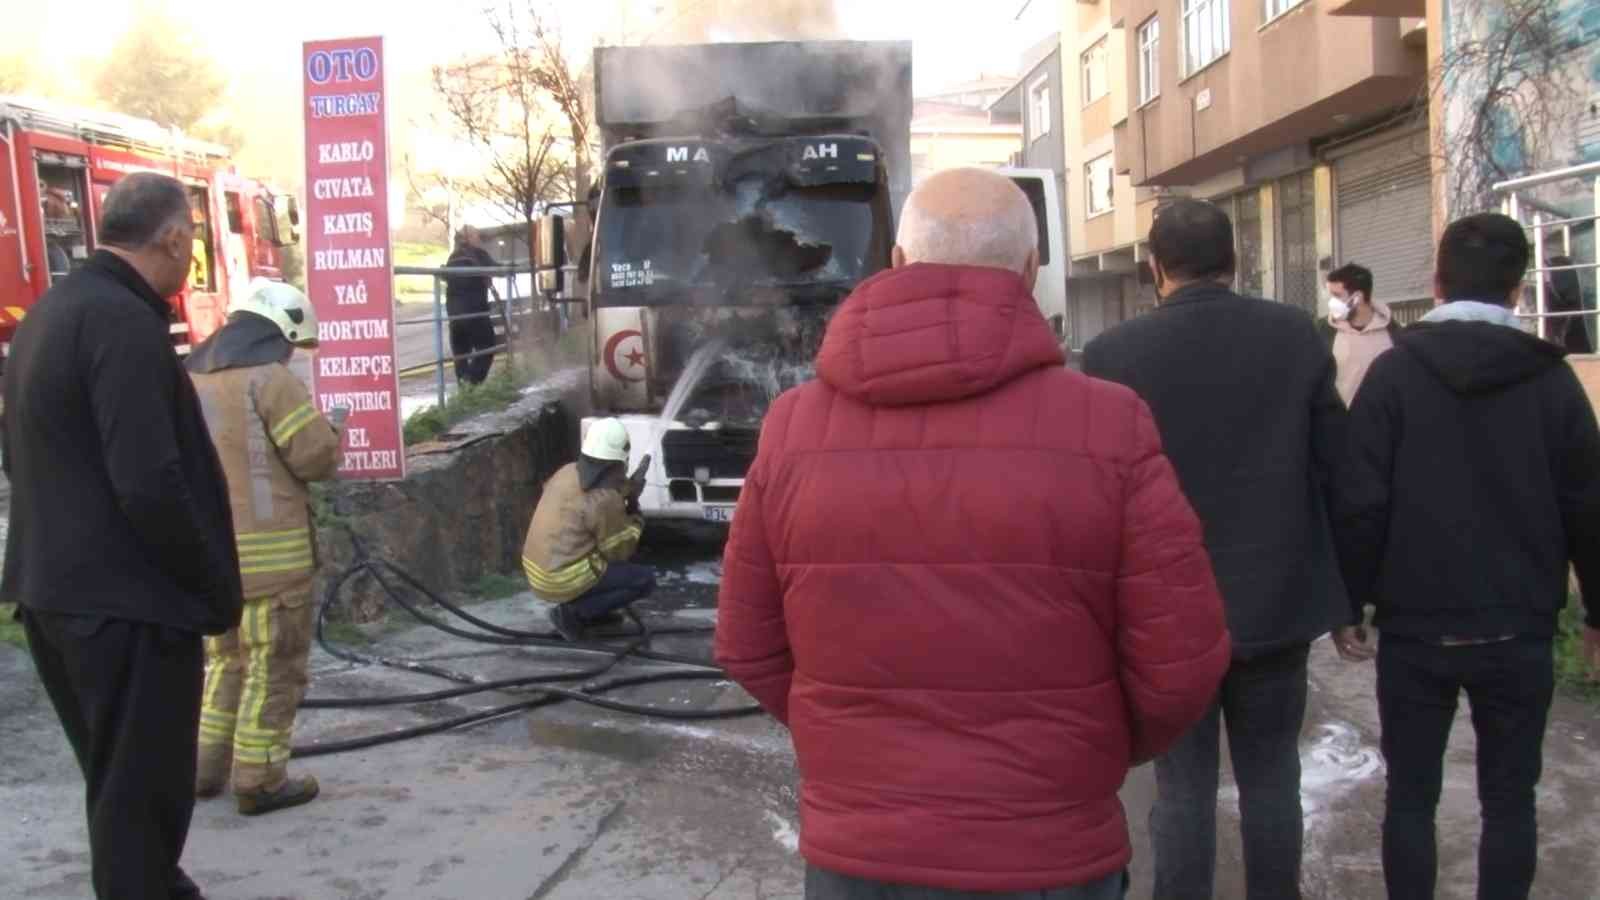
(293, 792)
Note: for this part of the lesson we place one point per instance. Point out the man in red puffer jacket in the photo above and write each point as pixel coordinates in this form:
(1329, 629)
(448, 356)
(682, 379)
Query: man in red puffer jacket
(967, 580)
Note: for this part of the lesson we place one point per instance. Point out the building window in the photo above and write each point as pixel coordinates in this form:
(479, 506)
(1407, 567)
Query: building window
(1094, 72)
(1039, 108)
(1097, 185)
(1149, 60)
(1271, 9)
(1205, 33)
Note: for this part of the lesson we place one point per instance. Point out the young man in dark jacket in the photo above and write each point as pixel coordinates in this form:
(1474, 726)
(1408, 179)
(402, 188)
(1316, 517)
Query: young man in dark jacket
(469, 295)
(1477, 482)
(121, 550)
(965, 577)
(1243, 393)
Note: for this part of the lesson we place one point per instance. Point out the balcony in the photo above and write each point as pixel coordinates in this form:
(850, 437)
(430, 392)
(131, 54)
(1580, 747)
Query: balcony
(1379, 8)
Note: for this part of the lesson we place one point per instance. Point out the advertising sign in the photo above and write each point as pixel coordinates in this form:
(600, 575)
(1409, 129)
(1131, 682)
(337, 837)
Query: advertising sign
(348, 261)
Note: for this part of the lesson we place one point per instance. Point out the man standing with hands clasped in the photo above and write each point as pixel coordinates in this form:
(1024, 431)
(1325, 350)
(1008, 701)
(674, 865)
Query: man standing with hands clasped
(1243, 392)
(120, 553)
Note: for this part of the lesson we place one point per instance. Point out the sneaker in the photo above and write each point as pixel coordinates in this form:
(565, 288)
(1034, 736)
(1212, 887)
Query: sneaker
(566, 623)
(611, 621)
(294, 792)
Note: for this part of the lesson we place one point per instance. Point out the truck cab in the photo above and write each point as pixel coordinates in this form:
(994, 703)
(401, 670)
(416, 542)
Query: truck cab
(744, 191)
(716, 264)
(58, 163)
(1050, 291)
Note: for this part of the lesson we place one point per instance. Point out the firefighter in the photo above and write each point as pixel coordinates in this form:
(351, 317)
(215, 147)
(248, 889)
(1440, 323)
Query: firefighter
(584, 531)
(272, 441)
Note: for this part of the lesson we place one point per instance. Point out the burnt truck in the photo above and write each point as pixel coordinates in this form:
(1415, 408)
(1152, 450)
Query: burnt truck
(743, 191)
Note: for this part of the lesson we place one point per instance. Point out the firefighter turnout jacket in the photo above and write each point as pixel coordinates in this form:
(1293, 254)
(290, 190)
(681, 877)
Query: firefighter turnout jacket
(576, 534)
(272, 441)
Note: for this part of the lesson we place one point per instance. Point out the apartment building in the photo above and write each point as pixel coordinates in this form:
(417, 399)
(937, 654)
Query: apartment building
(1305, 118)
(1107, 216)
(954, 127)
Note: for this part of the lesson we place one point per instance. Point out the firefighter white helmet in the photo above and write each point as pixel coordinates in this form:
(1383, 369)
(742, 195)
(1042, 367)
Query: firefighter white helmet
(606, 439)
(281, 304)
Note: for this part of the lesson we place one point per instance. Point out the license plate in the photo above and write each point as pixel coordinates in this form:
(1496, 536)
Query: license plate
(722, 514)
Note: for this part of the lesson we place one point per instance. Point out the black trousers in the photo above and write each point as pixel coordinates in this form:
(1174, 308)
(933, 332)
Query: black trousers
(128, 696)
(1262, 703)
(622, 584)
(1509, 686)
(470, 336)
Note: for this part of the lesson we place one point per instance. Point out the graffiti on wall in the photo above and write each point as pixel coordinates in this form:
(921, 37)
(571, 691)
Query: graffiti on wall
(1520, 82)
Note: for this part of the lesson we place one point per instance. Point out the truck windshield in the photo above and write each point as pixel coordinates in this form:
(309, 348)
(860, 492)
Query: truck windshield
(705, 245)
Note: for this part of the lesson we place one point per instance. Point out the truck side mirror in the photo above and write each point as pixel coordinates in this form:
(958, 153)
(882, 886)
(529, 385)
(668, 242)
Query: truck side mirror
(551, 248)
(286, 210)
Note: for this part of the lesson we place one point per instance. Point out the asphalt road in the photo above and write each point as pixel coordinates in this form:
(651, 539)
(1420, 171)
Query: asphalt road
(574, 802)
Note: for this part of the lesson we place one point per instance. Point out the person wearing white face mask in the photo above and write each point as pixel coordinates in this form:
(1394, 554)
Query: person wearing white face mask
(1358, 327)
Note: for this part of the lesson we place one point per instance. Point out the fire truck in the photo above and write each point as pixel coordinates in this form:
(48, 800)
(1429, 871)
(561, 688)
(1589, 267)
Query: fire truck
(56, 165)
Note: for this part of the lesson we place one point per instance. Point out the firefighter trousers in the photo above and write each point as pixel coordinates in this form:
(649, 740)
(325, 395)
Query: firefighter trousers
(255, 680)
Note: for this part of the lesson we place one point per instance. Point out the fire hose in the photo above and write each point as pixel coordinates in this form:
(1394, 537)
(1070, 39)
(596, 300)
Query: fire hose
(587, 686)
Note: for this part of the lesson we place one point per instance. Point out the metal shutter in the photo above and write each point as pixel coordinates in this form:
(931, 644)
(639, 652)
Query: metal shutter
(1385, 200)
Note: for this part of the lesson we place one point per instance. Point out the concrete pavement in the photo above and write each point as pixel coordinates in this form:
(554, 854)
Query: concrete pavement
(574, 802)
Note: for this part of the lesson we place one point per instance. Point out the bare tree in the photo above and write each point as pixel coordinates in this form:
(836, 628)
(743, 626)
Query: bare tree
(156, 70)
(16, 73)
(1508, 91)
(497, 111)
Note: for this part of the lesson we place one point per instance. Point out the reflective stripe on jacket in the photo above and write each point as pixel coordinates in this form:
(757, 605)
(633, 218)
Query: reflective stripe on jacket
(575, 534)
(272, 441)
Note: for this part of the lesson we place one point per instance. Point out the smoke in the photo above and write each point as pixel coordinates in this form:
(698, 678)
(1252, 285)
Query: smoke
(718, 21)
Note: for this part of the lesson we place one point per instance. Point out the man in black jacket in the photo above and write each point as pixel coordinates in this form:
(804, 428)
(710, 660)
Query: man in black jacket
(121, 551)
(1476, 464)
(469, 295)
(1243, 395)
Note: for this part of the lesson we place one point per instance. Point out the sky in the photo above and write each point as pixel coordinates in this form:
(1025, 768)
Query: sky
(259, 51)
(954, 39)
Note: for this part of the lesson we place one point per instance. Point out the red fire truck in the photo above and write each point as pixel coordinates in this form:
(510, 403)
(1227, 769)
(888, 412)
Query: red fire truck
(56, 165)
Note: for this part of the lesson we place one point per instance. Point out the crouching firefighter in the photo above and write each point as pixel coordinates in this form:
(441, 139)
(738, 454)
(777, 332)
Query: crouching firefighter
(584, 531)
(272, 441)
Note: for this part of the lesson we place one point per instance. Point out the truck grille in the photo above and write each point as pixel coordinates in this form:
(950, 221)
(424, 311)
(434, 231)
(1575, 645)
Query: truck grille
(727, 452)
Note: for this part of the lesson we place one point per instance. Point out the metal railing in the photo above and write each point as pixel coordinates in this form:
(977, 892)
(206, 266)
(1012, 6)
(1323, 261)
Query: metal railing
(514, 309)
(1539, 219)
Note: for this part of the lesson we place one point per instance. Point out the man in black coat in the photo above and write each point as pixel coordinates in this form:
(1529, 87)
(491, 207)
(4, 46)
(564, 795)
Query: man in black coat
(1243, 395)
(469, 295)
(1476, 463)
(121, 552)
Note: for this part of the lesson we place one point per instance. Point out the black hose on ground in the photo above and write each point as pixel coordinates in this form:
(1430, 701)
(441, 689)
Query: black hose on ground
(543, 688)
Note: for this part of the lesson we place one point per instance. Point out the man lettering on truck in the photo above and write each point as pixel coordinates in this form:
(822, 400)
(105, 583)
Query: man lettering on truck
(973, 632)
(120, 553)
(272, 442)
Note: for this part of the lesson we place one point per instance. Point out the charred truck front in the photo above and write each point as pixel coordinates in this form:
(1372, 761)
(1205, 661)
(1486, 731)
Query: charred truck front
(746, 190)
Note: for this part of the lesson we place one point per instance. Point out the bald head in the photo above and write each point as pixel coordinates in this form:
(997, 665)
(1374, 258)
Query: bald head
(970, 217)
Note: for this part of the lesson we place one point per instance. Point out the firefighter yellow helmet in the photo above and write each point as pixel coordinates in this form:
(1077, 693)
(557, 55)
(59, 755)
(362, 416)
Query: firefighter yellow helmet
(606, 439)
(283, 305)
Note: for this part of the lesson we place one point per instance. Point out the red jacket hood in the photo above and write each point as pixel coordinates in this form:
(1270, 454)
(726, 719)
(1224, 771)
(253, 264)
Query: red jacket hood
(930, 333)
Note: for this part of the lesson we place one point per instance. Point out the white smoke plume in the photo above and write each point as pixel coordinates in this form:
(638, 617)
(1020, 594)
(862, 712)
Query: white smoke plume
(716, 21)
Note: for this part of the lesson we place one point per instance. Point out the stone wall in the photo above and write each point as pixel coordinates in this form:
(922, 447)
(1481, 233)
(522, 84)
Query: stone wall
(463, 510)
